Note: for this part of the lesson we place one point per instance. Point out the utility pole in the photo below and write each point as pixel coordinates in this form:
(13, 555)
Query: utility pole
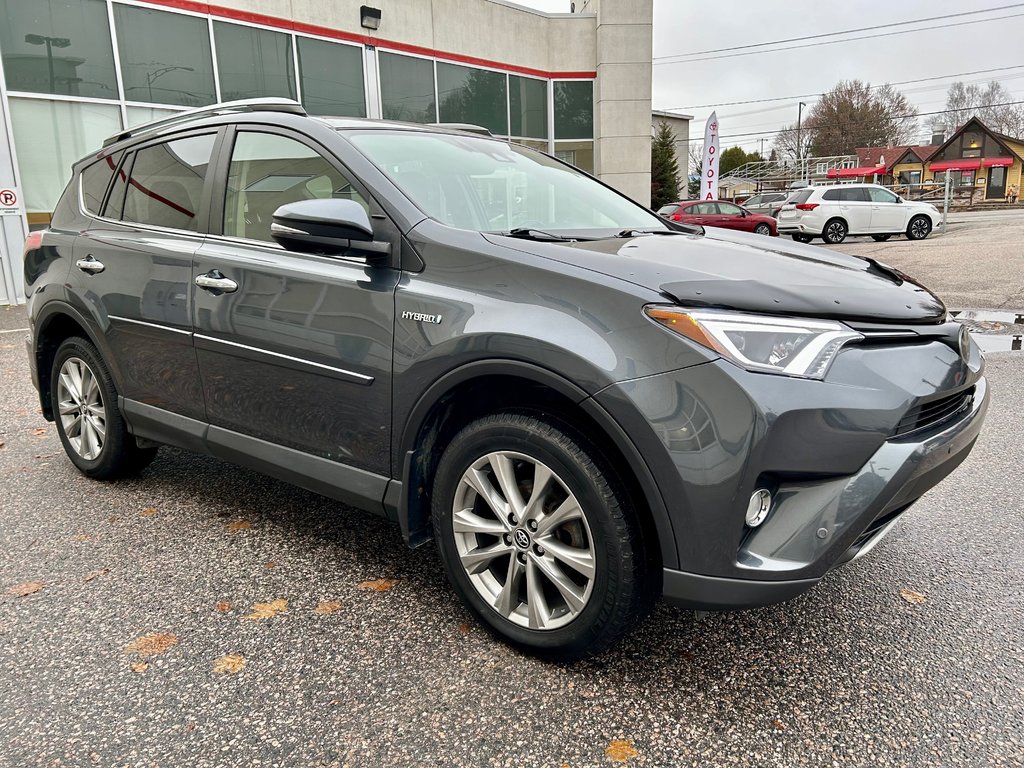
(799, 140)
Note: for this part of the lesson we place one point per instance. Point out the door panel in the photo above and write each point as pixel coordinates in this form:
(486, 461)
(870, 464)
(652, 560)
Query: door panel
(855, 207)
(888, 215)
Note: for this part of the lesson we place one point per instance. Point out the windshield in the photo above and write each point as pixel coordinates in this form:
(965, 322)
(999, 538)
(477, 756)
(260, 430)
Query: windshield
(492, 186)
(755, 200)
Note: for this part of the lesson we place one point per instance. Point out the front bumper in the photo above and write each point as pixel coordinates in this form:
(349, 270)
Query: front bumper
(839, 477)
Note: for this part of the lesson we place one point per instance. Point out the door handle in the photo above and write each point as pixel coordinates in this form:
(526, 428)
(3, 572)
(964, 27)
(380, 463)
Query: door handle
(90, 264)
(214, 282)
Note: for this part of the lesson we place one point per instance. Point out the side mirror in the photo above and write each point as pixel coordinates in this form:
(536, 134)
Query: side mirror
(329, 227)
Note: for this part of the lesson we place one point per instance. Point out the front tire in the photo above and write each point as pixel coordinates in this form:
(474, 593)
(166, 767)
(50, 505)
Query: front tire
(91, 428)
(919, 228)
(762, 229)
(539, 537)
(834, 232)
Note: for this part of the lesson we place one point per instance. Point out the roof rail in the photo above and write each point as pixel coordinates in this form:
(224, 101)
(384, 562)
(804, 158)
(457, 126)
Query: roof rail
(244, 105)
(464, 127)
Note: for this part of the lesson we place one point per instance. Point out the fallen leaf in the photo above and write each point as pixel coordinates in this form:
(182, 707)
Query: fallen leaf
(912, 597)
(270, 564)
(238, 525)
(778, 726)
(113, 519)
(268, 610)
(148, 646)
(39, 431)
(83, 537)
(95, 574)
(378, 585)
(229, 664)
(139, 667)
(148, 511)
(327, 607)
(1, 443)
(620, 751)
(223, 606)
(26, 589)
(464, 628)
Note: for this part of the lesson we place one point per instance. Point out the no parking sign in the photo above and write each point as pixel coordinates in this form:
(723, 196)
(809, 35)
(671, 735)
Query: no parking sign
(10, 201)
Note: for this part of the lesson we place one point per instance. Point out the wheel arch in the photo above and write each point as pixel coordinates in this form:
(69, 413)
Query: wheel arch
(476, 389)
(56, 322)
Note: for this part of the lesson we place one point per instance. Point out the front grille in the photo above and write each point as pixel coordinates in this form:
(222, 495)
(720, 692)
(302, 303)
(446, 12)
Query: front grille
(934, 412)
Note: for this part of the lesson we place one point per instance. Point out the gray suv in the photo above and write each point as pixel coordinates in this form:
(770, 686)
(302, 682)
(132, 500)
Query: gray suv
(585, 406)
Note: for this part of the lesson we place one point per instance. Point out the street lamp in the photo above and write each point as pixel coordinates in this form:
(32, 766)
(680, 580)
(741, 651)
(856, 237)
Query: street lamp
(50, 43)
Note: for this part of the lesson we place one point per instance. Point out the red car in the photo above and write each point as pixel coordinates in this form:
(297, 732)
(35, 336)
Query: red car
(719, 213)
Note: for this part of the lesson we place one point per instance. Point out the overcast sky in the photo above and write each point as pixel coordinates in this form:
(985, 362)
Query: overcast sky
(686, 26)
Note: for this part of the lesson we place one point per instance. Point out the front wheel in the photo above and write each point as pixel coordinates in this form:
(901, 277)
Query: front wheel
(91, 427)
(919, 228)
(834, 232)
(539, 537)
(762, 229)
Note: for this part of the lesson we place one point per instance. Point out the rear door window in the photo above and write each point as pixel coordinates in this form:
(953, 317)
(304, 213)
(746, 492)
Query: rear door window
(166, 183)
(96, 179)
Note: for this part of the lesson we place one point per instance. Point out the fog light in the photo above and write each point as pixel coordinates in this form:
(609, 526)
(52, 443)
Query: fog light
(758, 506)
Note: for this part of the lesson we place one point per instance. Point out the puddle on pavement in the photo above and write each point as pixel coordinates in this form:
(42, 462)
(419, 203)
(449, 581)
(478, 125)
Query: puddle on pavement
(994, 330)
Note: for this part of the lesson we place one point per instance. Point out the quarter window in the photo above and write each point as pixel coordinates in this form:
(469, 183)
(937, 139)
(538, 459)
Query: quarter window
(166, 184)
(96, 179)
(267, 171)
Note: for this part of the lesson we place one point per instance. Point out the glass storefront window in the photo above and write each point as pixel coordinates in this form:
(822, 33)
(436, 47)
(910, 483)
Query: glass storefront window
(58, 46)
(475, 96)
(253, 63)
(52, 135)
(574, 109)
(139, 115)
(406, 88)
(528, 107)
(577, 153)
(165, 57)
(332, 78)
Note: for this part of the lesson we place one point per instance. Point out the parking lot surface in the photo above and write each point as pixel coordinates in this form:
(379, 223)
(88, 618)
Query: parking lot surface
(204, 615)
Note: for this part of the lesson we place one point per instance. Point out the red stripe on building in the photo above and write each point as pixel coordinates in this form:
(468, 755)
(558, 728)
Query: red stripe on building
(352, 37)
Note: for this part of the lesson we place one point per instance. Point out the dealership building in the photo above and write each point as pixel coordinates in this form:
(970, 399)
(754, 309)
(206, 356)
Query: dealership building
(74, 72)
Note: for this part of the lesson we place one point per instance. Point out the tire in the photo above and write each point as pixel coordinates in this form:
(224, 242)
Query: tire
(919, 228)
(597, 604)
(91, 427)
(880, 238)
(802, 238)
(762, 229)
(834, 231)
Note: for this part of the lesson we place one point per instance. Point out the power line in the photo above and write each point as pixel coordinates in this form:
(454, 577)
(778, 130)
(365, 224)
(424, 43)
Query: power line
(843, 32)
(812, 95)
(892, 117)
(848, 40)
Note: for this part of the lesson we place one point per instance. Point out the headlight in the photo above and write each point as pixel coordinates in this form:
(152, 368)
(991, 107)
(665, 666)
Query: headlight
(791, 346)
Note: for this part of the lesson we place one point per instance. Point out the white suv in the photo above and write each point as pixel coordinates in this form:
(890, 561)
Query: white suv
(832, 213)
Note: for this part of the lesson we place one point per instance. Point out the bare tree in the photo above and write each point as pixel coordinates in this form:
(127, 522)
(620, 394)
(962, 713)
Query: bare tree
(785, 146)
(854, 114)
(989, 103)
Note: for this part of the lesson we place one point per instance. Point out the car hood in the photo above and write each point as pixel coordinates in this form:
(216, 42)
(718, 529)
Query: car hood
(752, 273)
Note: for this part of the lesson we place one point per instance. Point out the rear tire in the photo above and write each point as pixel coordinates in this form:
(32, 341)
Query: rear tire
(919, 228)
(560, 573)
(91, 427)
(834, 232)
(880, 238)
(802, 238)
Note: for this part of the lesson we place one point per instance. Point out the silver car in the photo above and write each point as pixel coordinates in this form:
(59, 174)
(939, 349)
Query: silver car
(767, 203)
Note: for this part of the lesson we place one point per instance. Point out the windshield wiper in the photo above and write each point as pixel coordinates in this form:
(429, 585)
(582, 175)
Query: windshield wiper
(632, 232)
(529, 233)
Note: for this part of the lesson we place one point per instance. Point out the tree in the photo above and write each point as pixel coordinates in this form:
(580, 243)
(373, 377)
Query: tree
(693, 180)
(854, 114)
(664, 167)
(965, 101)
(735, 157)
(785, 145)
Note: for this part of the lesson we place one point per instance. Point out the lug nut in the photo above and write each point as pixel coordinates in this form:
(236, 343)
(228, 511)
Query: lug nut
(507, 538)
(531, 524)
(522, 557)
(513, 519)
(539, 550)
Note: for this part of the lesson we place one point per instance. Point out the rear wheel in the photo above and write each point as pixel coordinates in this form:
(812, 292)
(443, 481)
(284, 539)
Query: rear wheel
(762, 229)
(539, 537)
(802, 238)
(880, 238)
(91, 427)
(834, 232)
(919, 228)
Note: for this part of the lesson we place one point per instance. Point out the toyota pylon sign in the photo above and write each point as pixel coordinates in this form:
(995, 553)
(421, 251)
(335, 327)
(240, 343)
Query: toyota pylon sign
(709, 170)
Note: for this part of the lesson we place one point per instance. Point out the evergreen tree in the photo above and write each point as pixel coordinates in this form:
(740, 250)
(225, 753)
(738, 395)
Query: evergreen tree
(664, 167)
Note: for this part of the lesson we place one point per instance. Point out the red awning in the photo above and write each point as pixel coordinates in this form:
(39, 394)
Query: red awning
(846, 173)
(997, 162)
(958, 165)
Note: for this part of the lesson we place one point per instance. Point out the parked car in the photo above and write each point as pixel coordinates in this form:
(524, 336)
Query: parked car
(584, 405)
(833, 212)
(719, 213)
(765, 203)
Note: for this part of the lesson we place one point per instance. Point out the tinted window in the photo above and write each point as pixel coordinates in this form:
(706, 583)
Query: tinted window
(574, 109)
(475, 96)
(165, 57)
(833, 194)
(800, 197)
(882, 196)
(96, 179)
(58, 46)
(332, 78)
(166, 183)
(406, 88)
(855, 195)
(253, 62)
(268, 171)
(528, 107)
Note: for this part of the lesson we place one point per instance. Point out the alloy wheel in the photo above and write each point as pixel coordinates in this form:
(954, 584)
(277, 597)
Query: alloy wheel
(83, 416)
(919, 228)
(523, 540)
(835, 232)
(762, 229)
